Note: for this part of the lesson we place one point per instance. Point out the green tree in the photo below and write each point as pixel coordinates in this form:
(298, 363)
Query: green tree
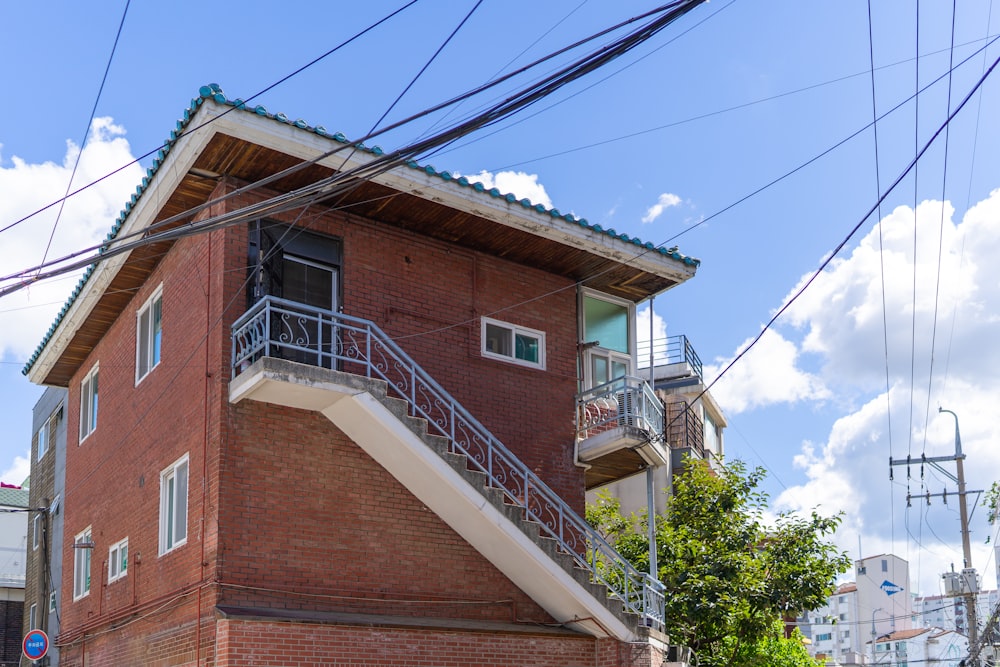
(729, 575)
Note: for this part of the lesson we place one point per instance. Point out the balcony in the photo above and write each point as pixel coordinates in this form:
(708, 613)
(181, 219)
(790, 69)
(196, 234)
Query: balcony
(674, 358)
(619, 427)
(685, 431)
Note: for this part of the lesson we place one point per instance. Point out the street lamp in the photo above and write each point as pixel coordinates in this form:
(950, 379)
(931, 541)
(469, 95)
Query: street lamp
(874, 633)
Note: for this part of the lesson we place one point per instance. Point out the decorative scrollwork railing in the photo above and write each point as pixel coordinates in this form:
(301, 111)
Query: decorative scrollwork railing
(278, 328)
(624, 401)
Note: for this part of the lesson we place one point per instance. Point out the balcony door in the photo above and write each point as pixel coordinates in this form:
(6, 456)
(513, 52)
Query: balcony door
(304, 268)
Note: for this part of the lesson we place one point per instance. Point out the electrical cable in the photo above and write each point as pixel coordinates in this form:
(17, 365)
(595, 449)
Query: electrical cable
(328, 187)
(480, 137)
(881, 257)
(163, 146)
(86, 132)
(426, 65)
(853, 231)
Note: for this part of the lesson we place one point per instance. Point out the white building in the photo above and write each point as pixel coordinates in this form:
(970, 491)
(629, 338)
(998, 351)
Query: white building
(877, 603)
(921, 646)
(947, 612)
(13, 547)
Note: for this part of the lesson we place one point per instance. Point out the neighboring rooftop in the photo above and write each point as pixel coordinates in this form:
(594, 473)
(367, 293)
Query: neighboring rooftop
(13, 497)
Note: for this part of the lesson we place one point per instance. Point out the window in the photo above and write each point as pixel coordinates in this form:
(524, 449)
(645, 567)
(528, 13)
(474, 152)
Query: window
(47, 433)
(846, 634)
(827, 636)
(118, 560)
(52, 602)
(33, 617)
(608, 327)
(843, 617)
(509, 342)
(82, 547)
(173, 505)
(43, 440)
(36, 531)
(148, 335)
(88, 404)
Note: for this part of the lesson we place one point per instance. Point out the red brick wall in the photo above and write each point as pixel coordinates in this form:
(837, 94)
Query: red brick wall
(166, 637)
(262, 644)
(113, 476)
(308, 514)
(430, 296)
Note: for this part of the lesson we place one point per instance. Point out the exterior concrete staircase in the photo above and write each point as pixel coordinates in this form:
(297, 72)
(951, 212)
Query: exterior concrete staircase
(450, 462)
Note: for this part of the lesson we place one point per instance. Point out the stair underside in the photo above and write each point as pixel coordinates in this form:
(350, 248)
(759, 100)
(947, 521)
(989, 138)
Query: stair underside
(441, 481)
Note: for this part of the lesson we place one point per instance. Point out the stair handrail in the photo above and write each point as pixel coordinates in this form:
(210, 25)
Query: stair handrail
(355, 340)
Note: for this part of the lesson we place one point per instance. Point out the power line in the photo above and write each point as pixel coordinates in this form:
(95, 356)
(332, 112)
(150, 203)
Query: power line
(86, 132)
(166, 145)
(340, 181)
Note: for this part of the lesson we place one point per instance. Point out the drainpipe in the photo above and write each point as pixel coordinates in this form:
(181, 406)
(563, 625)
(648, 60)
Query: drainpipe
(650, 503)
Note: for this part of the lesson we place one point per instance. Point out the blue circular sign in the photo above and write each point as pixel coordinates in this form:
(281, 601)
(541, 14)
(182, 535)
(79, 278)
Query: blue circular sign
(35, 645)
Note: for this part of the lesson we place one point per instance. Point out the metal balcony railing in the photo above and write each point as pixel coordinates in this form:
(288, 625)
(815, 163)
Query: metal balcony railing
(279, 328)
(625, 401)
(670, 350)
(685, 429)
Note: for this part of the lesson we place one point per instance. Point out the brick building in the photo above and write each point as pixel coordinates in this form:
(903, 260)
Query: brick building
(44, 553)
(317, 424)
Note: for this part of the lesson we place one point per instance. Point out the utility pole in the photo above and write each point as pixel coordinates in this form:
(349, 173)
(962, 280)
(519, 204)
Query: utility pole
(970, 585)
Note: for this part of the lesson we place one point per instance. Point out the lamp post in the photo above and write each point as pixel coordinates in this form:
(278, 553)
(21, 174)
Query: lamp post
(874, 633)
(968, 587)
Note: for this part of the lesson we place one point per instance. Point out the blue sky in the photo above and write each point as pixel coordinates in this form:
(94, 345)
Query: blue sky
(665, 144)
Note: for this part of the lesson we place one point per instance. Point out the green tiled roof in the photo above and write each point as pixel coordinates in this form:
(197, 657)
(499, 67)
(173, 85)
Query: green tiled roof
(214, 93)
(13, 497)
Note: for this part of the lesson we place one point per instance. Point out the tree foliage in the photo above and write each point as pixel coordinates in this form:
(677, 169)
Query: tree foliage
(729, 575)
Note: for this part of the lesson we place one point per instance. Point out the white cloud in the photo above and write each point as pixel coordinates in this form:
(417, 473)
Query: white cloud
(665, 201)
(17, 471)
(642, 337)
(86, 219)
(766, 375)
(520, 184)
(838, 323)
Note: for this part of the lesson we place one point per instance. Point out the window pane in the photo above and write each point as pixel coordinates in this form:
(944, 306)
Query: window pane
(170, 512)
(606, 322)
(93, 401)
(308, 283)
(498, 340)
(142, 344)
(157, 331)
(182, 484)
(600, 370)
(526, 348)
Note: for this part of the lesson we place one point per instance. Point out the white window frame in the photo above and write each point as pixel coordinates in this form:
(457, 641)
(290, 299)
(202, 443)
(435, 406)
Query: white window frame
(173, 505)
(82, 557)
(145, 336)
(515, 331)
(89, 402)
(52, 602)
(43, 440)
(33, 617)
(36, 531)
(612, 356)
(118, 560)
